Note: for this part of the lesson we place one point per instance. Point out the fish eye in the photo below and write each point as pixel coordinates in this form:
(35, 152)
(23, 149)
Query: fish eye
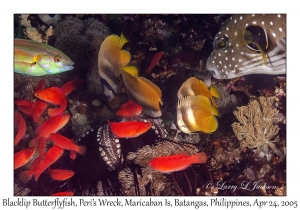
(57, 58)
(221, 43)
(258, 37)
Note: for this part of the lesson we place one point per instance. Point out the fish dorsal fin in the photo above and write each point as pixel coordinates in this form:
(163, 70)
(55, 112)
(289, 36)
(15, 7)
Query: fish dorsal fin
(124, 57)
(203, 101)
(211, 125)
(215, 111)
(123, 40)
(131, 70)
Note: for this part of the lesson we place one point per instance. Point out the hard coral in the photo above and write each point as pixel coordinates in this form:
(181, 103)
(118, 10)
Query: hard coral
(255, 127)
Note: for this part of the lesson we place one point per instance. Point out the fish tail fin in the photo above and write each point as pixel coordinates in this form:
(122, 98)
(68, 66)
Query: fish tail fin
(131, 70)
(37, 175)
(57, 111)
(82, 150)
(34, 142)
(42, 146)
(24, 176)
(200, 158)
(215, 111)
(125, 57)
(72, 154)
(214, 91)
(124, 40)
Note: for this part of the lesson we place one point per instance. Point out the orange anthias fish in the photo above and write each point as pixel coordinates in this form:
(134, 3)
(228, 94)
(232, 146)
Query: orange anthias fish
(59, 174)
(155, 60)
(40, 85)
(53, 95)
(22, 157)
(67, 193)
(168, 164)
(25, 176)
(33, 109)
(70, 86)
(66, 143)
(129, 129)
(50, 157)
(51, 125)
(129, 109)
(20, 122)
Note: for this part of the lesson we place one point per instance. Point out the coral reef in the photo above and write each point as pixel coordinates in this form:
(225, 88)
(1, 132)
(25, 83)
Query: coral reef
(227, 102)
(255, 127)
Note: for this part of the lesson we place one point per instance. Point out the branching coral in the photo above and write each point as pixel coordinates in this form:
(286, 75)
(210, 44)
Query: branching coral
(255, 127)
(34, 33)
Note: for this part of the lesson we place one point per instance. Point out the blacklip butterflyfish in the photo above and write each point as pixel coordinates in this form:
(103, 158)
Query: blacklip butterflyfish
(249, 44)
(111, 59)
(196, 109)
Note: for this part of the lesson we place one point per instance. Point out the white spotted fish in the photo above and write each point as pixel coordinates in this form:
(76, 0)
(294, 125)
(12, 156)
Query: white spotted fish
(249, 44)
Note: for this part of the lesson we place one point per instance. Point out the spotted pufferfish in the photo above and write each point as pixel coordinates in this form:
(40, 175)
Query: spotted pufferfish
(249, 44)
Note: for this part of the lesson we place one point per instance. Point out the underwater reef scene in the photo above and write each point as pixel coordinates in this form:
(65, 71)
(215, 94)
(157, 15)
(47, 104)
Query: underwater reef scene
(150, 104)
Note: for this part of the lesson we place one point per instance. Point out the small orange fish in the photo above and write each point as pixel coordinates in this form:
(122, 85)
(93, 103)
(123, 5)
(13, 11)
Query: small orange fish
(25, 176)
(167, 164)
(19, 120)
(72, 154)
(51, 125)
(67, 193)
(66, 143)
(155, 60)
(129, 110)
(33, 109)
(70, 86)
(40, 85)
(53, 95)
(42, 145)
(50, 157)
(22, 157)
(37, 110)
(129, 129)
(59, 174)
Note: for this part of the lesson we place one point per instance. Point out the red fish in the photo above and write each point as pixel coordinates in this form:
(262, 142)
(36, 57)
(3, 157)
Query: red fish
(25, 176)
(22, 157)
(129, 109)
(70, 86)
(67, 193)
(37, 110)
(129, 129)
(40, 85)
(42, 145)
(50, 157)
(53, 95)
(33, 109)
(59, 174)
(66, 143)
(167, 164)
(20, 122)
(72, 154)
(51, 125)
(155, 60)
